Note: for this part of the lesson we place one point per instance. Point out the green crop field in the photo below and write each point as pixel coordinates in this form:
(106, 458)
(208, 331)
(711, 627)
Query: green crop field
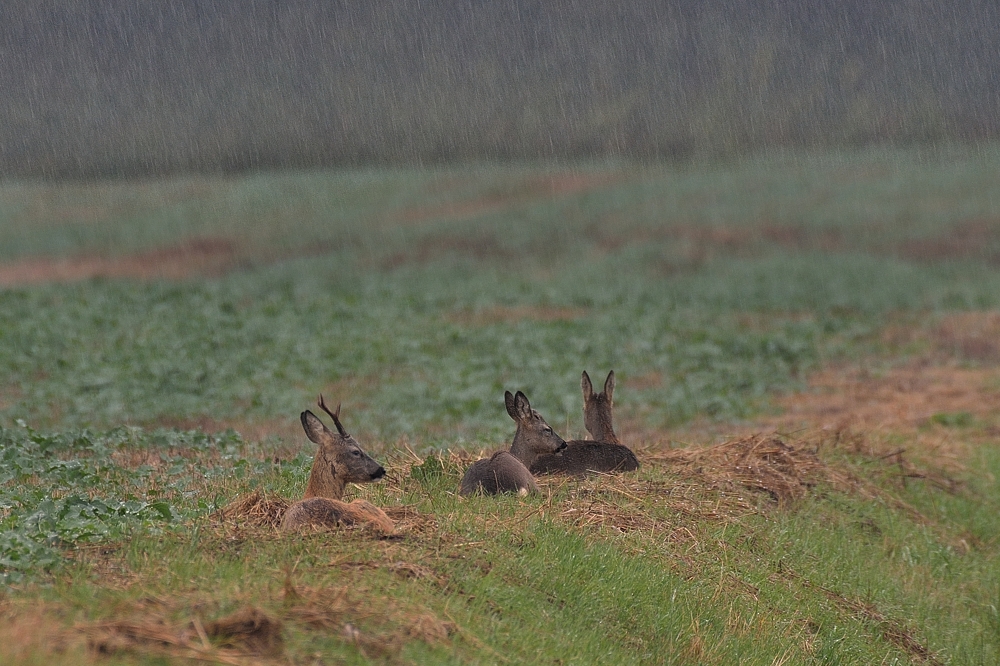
(159, 338)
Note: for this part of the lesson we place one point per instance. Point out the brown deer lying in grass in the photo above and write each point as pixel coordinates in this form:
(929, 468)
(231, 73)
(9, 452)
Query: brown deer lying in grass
(605, 454)
(339, 460)
(507, 471)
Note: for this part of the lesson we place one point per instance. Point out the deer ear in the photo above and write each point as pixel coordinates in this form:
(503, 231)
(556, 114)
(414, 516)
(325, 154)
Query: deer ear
(508, 401)
(609, 386)
(315, 430)
(522, 407)
(588, 388)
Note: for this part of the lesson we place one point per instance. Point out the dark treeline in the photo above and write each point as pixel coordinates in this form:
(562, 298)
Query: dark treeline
(120, 87)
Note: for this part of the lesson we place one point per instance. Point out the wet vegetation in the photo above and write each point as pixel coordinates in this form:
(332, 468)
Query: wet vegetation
(158, 340)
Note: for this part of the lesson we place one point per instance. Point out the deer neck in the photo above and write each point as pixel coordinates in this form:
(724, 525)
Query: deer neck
(322, 480)
(604, 431)
(520, 449)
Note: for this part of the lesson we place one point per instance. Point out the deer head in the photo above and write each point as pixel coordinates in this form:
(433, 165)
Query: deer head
(597, 409)
(534, 436)
(339, 459)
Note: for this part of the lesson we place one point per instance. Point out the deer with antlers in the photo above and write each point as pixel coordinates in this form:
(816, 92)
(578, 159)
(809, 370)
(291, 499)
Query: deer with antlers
(339, 460)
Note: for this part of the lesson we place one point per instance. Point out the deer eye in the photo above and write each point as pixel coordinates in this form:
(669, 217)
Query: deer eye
(547, 429)
(355, 453)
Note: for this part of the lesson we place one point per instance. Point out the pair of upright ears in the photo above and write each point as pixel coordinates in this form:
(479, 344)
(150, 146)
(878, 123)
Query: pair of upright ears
(517, 404)
(519, 408)
(588, 388)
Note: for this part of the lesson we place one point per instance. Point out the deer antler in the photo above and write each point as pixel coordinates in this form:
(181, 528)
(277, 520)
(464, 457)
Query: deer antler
(333, 415)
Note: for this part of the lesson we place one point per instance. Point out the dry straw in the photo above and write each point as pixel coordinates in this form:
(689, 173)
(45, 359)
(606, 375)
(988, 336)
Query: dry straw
(247, 633)
(256, 508)
(758, 462)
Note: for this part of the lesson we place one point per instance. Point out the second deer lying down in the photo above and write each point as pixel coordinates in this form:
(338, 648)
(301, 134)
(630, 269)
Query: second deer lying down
(507, 471)
(606, 454)
(338, 461)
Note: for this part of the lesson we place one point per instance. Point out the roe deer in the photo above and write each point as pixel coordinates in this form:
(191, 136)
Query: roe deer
(507, 471)
(606, 453)
(338, 460)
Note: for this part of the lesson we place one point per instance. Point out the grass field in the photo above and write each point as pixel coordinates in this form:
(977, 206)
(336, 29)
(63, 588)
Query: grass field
(158, 340)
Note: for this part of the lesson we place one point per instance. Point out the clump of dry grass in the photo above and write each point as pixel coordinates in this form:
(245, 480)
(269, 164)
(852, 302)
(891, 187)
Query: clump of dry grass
(758, 462)
(249, 632)
(785, 472)
(257, 508)
(765, 464)
(249, 629)
(265, 510)
(377, 626)
(666, 510)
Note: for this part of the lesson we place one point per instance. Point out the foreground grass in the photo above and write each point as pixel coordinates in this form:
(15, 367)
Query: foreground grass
(668, 566)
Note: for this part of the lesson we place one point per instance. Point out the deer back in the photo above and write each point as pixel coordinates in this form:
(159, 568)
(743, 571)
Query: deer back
(500, 473)
(581, 457)
(322, 512)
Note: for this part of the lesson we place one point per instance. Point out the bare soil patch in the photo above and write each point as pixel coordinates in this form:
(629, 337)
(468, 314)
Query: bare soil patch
(528, 191)
(976, 238)
(41, 204)
(194, 257)
(899, 399)
(973, 336)
(215, 256)
(921, 420)
(9, 394)
(479, 246)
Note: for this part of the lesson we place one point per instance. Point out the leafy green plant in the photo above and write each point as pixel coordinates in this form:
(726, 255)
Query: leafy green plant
(54, 490)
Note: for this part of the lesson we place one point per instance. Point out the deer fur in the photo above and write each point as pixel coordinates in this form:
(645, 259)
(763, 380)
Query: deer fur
(339, 460)
(597, 409)
(507, 471)
(581, 457)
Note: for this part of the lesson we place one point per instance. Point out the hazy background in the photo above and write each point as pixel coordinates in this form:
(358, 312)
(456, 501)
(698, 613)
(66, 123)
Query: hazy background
(112, 87)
